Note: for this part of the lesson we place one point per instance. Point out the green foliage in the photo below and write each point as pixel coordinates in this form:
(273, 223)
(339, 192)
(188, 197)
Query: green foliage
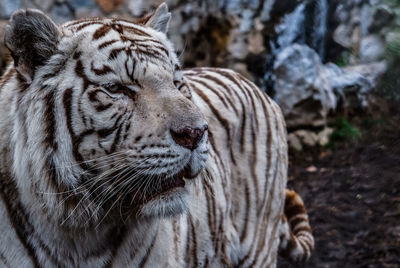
(393, 48)
(344, 59)
(390, 82)
(344, 132)
(392, 3)
(389, 86)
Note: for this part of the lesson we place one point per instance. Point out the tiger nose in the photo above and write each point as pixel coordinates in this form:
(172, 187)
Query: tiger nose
(188, 137)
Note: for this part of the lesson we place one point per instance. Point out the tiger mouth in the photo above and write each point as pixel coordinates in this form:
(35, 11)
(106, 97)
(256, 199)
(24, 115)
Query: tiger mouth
(168, 184)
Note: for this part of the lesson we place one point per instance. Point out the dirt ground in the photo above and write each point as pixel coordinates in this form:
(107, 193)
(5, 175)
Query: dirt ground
(353, 199)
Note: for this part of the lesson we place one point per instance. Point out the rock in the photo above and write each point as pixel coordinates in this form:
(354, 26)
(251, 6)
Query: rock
(78, 4)
(373, 71)
(348, 36)
(4, 53)
(323, 136)
(312, 169)
(277, 8)
(110, 5)
(247, 20)
(7, 7)
(304, 95)
(343, 35)
(256, 45)
(237, 46)
(300, 138)
(348, 17)
(307, 137)
(350, 88)
(61, 12)
(307, 91)
(294, 142)
(44, 4)
(372, 49)
(86, 12)
(379, 16)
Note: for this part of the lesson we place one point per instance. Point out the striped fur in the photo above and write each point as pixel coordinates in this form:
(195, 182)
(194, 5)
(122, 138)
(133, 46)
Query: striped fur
(297, 242)
(86, 138)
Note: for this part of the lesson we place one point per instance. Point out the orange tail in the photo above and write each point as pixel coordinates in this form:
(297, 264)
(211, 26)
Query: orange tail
(297, 241)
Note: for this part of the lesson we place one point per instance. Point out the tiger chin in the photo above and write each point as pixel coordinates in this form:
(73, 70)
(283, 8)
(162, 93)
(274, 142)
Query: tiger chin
(112, 155)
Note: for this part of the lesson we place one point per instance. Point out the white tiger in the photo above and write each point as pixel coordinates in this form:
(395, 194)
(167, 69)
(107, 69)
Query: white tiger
(104, 145)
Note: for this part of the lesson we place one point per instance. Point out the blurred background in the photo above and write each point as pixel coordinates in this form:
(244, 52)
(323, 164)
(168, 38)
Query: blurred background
(333, 67)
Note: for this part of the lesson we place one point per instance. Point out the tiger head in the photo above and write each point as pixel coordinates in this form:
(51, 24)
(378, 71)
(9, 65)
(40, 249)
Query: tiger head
(113, 128)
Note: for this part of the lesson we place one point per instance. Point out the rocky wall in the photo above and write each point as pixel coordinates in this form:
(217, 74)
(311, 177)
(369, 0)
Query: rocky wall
(284, 46)
(234, 34)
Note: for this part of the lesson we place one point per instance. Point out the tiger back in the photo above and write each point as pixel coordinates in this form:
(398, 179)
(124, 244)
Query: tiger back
(112, 156)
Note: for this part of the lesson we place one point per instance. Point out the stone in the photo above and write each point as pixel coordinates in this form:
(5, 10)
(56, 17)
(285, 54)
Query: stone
(45, 4)
(61, 12)
(247, 20)
(300, 138)
(4, 52)
(237, 46)
(343, 35)
(351, 88)
(312, 169)
(372, 49)
(7, 7)
(110, 5)
(85, 12)
(373, 71)
(307, 90)
(304, 95)
(78, 4)
(266, 11)
(294, 142)
(307, 137)
(378, 17)
(324, 136)
(256, 45)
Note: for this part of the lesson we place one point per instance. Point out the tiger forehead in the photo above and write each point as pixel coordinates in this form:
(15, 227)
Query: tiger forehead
(108, 39)
(116, 50)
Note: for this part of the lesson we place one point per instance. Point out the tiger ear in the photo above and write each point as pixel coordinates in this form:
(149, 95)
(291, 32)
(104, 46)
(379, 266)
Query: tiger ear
(159, 19)
(32, 38)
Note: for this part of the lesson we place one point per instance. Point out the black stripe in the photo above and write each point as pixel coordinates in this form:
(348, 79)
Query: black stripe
(222, 85)
(224, 122)
(50, 121)
(216, 92)
(4, 260)
(101, 31)
(17, 215)
(117, 239)
(101, 71)
(116, 139)
(84, 25)
(106, 44)
(80, 72)
(82, 21)
(268, 141)
(115, 52)
(194, 242)
(135, 30)
(67, 102)
(148, 251)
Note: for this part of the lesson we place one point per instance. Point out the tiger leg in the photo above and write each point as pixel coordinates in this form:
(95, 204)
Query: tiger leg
(296, 239)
